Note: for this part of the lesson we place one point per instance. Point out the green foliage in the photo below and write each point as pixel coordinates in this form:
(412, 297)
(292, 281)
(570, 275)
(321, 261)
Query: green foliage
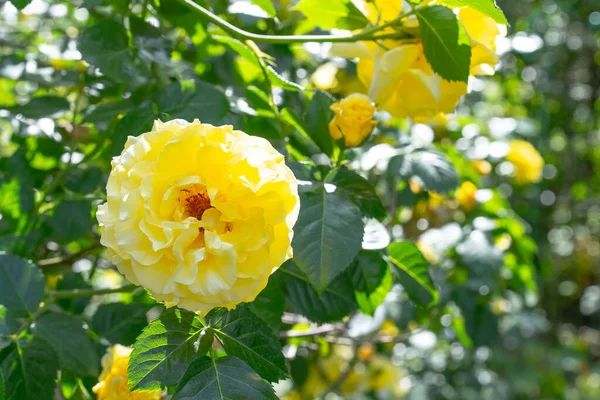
(165, 348)
(413, 273)
(487, 7)
(445, 42)
(246, 336)
(21, 285)
(432, 168)
(119, 323)
(222, 378)
(371, 280)
(341, 14)
(327, 236)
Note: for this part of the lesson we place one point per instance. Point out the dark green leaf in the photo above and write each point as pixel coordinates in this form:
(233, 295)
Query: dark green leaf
(248, 337)
(270, 303)
(277, 80)
(1, 385)
(103, 113)
(152, 45)
(317, 121)
(433, 168)
(164, 350)
(341, 14)
(487, 7)
(359, 189)
(43, 106)
(31, 372)
(226, 378)
(71, 220)
(21, 285)
(20, 4)
(194, 100)
(73, 281)
(134, 123)
(371, 280)
(327, 236)
(480, 254)
(336, 302)
(18, 167)
(445, 43)
(8, 326)
(71, 342)
(413, 272)
(106, 45)
(119, 323)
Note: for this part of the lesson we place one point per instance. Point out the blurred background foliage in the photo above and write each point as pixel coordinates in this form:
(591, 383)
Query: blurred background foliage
(517, 265)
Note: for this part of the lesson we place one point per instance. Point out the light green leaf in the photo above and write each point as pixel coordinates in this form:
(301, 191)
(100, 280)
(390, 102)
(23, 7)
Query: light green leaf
(277, 80)
(371, 280)
(359, 189)
(74, 350)
(433, 168)
(413, 273)
(341, 14)
(487, 7)
(119, 323)
(267, 6)
(336, 302)
(21, 285)
(43, 106)
(8, 326)
(246, 336)
(327, 236)
(31, 372)
(106, 46)
(164, 350)
(225, 378)
(71, 220)
(446, 44)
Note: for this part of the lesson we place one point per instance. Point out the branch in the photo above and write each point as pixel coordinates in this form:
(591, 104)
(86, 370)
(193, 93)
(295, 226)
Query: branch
(70, 294)
(367, 34)
(316, 331)
(54, 261)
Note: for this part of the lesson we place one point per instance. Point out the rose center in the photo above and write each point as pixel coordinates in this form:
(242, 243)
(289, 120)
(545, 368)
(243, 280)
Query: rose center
(195, 202)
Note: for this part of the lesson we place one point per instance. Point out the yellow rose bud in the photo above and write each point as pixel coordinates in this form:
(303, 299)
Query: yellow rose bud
(113, 383)
(199, 215)
(482, 166)
(527, 162)
(465, 195)
(353, 119)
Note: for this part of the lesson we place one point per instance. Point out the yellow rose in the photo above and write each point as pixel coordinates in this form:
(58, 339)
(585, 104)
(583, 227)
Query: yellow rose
(353, 119)
(199, 215)
(527, 162)
(465, 195)
(484, 32)
(384, 376)
(113, 381)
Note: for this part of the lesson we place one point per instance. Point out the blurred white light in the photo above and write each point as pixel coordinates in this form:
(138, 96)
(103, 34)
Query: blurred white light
(424, 340)
(524, 43)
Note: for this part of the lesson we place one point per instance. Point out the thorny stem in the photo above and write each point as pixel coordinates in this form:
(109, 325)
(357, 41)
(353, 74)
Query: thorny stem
(366, 34)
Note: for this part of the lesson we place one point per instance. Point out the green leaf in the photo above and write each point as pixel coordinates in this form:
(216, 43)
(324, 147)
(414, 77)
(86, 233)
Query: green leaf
(267, 6)
(317, 121)
(246, 336)
(371, 280)
(327, 236)
(31, 372)
(445, 43)
(270, 303)
(277, 80)
(336, 302)
(359, 189)
(152, 45)
(8, 326)
(433, 168)
(164, 350)
(413, 273)
(106, 45)
(341, 14)
(21, 285)
(1, 385)
(71, 342)
(20, 4)
(133, 124)
(71, 220)
(72, 281)
(487, 7)
(226, 378)
(43, 106)
(103, 113)
(194, 100)
(119, 323)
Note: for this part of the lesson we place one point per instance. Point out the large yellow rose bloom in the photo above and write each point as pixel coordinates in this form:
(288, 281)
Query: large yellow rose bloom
(527, 161)
(199, 215)
(113, 383)
(353, 119)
